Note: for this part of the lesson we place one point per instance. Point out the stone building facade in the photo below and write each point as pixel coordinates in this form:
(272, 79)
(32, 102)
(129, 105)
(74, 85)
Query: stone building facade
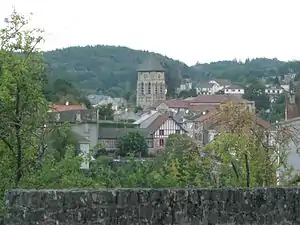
(151, 85)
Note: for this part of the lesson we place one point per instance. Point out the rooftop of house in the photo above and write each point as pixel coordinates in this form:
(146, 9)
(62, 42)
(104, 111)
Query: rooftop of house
(216, 99)
(235, 86)
(204, 99)
(75, 116)
(115, 133)
(211, 121)
(159, 121)
(222, 82)
(151, 64)
(205, 85)
(95, 99)
(66, 107)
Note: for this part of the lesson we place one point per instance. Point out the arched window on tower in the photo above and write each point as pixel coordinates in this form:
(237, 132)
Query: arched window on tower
(161, 89)
(142, 88)
(156, 89)
(149, 88)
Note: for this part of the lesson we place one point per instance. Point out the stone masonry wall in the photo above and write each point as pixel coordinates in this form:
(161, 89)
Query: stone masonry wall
(274, 206)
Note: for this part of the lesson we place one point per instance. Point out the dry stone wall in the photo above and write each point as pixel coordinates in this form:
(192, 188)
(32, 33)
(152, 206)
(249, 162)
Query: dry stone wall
(273, 206)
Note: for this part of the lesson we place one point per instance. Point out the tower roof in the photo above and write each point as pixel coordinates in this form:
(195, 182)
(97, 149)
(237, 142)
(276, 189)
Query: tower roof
(151, 64)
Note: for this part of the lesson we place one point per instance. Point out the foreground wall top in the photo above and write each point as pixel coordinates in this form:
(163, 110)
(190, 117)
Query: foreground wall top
(276, 206)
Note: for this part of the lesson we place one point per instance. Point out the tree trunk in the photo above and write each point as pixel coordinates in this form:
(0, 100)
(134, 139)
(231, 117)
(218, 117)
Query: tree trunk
(247, 170)
(18, 138)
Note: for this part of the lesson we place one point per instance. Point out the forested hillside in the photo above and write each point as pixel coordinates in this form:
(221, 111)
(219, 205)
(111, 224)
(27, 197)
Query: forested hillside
(107, 69)
(112, 70)
(239, 71)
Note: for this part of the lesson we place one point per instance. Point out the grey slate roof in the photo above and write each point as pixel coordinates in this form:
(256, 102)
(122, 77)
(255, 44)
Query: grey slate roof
(151, 64)
(86, 116)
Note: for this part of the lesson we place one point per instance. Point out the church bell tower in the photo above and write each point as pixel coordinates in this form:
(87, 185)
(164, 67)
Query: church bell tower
(151, 85)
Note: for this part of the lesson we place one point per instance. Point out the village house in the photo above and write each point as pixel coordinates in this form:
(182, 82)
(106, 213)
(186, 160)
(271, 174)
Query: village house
(99, 100)
(84, 126)
(191, 112)
(234, 89)
(293, 157)
(156, 131)
(205, 89)
(219, 84)
(65, 107)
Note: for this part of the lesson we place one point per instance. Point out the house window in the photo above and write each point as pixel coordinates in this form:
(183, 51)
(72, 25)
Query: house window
(149, 88)
(161, 132)
(226, 90)
(156, 88)
(161, 88)
(177, 131)
(161, 142)
(239, 90)
(142, 88)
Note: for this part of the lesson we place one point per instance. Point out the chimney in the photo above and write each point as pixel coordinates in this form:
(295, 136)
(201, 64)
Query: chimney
(67, 103)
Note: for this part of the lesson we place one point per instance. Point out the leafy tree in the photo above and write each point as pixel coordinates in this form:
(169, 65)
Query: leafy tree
(248, 152)
(59, 139)
(132, 142)
(186, 94)
(106, 112)
(61, 91)
(181, 165)
(23, 107)
(256, 92)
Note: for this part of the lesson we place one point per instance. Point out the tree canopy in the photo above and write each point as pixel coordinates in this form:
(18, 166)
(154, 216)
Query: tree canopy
(111, 70)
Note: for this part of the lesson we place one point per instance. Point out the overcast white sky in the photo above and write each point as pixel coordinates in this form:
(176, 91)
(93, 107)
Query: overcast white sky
(188, 30)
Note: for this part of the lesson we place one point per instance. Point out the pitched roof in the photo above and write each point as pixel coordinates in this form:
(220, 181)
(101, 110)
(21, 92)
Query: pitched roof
(114, 133)
(215, 99)
(223, 82)
(173, 103)
(86, 115)
(177, 103)
(159, 121)
(156, 124)
(151, 64)
(235, 86)
(210, 121)
(62, 108)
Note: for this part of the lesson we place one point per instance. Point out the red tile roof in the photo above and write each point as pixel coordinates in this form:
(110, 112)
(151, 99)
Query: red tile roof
(215, 99)
(173, 103)
(62, 108)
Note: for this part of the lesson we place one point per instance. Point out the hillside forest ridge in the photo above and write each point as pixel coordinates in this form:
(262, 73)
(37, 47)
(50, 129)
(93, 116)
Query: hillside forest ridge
(55, 134)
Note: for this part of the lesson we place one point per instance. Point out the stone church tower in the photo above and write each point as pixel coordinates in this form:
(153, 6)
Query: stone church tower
(151, 85)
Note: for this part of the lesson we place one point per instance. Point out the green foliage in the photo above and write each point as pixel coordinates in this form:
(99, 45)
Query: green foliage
(239, 71)
(106, 112)
(59, 139)
(23, 107)
(107, 69)
(185, 94)
(249, 158)
(61, 91)
(132, 142)
(256, 92)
